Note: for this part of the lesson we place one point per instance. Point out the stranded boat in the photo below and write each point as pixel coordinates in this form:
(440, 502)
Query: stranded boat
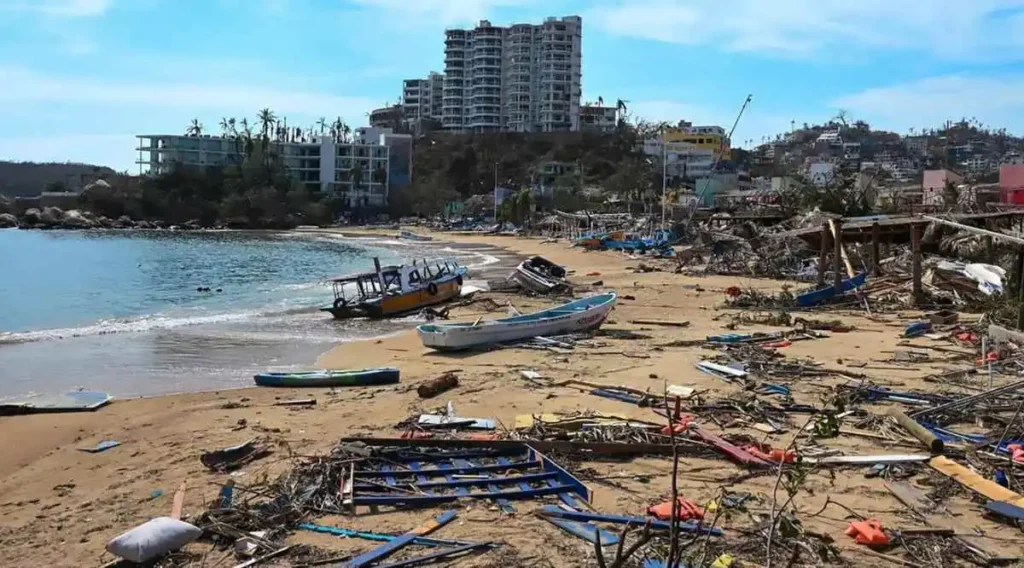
(394, 290)
(540, 275)
(579, 315)
(327, 378)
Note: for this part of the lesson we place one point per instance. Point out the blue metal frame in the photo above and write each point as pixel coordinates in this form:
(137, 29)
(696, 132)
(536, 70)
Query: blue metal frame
(391, 547)
(553, 511)
(428, 558)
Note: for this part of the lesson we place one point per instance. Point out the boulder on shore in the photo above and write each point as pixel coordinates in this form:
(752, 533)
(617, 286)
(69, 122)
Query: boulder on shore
(143, 224)
(75, 219)
(7, 221)
(51, 216)
(31, 217)
(104, 222)
(124, 222)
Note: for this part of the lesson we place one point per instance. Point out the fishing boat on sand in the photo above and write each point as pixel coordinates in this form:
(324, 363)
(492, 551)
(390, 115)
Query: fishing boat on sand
(327, 378)
(580, 315)
(394, 290)
(410, 236)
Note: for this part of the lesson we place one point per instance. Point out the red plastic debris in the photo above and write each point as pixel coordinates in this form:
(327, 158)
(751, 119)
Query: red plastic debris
(868, 532)
(777, 344)
(967, 337)
(733, 291)
(685, 510)
(593, 274)
(416, 435)
(992, 357)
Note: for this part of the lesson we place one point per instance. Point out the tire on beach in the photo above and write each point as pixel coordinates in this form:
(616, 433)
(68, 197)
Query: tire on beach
(432, 289)
(339, 302)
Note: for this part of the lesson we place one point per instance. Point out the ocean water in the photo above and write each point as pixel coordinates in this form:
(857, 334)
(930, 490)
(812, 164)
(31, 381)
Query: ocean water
(120, 311)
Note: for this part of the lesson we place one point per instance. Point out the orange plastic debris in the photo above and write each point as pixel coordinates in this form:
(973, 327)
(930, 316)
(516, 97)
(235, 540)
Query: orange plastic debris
(868, 532)
(777, 344)
(682, 423)
(685, 510)
(772, 454)
(415, 435)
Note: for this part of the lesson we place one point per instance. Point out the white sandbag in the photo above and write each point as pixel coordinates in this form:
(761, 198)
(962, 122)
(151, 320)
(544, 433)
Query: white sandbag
(153, 538)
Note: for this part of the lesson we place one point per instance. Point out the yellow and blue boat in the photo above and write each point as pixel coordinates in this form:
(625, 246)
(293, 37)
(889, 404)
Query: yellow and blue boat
(394, 290)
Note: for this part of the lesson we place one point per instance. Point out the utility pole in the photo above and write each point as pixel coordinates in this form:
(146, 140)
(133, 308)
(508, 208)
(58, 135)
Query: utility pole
(664, 178)
(495, 192)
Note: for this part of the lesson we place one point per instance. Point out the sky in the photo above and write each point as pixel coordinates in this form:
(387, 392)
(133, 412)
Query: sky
(80, 78)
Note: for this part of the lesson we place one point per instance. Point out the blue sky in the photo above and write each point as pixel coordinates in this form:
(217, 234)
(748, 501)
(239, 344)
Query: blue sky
(78, 78)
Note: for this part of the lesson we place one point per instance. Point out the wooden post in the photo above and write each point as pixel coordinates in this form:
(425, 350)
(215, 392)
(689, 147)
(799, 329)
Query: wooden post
(915, 242)
(824, 255)
(876, 259)
(837, 258)
(990, 247)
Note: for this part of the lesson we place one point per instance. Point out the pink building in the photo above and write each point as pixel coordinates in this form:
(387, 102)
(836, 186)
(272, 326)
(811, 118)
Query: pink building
(934, 185)
(1011, 183)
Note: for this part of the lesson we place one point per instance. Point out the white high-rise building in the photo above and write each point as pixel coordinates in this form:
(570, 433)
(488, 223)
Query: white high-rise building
(524, 78)
(422, 98)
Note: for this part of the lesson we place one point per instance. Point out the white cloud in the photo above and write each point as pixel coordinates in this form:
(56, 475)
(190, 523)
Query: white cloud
(949, 28)
(58, 8)
(995, 101)
(25, 86)
(444, 12)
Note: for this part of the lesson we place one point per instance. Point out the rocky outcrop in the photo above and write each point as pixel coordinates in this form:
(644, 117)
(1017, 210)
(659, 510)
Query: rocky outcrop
(7, 221)
(75, 219)
(51, 216)
(144, 225)
(124, 222)
(31, 217)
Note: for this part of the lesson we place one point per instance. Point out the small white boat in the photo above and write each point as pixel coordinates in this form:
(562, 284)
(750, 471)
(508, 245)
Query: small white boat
(410, 236)
(576, 316)
(540, 275)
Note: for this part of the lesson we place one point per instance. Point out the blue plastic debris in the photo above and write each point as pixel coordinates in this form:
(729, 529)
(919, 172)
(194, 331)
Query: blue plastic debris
(101, 447)
(917, 328)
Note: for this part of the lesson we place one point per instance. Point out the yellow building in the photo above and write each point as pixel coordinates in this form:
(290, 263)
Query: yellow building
(705, 137)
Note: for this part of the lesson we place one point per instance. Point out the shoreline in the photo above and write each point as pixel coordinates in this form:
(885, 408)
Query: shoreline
(48, 522)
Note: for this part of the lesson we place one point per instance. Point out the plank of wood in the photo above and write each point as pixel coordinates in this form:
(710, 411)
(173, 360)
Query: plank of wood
(975, 482)
(883, 458)
(389, 548)
(666, 323)
(737, 454)
(911, 496)
(179, 501)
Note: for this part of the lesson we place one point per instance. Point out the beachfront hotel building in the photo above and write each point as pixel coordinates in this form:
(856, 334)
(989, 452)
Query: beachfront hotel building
(422, 98)
(520, 78)
(362, 172)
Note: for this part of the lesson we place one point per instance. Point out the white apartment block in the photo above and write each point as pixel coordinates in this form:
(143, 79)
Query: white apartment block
(357, 171)
(598, 118)
(521, 78)
(422, 98)
(682, 159)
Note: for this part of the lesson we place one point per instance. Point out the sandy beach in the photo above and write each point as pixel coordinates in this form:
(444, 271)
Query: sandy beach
(60, 506)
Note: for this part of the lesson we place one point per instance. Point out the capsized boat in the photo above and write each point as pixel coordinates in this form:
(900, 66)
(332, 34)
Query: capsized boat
(540, 275)
(395, 290)
(409, 235)
(328, 378)
(579, 315)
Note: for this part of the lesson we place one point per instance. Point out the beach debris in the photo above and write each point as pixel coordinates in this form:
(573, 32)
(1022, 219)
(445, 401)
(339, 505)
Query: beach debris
(867, 532)
(446, 381)
(666, 323)
(74, 401)
(153, 539)
(686, 510)
(924, 435)
(101, 447)
(297, 402)
(917, 329)
(234, 457)
(448, 420)
(539, 275)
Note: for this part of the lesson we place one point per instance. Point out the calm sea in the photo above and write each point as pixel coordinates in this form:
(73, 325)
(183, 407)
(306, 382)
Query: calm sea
(119, 311)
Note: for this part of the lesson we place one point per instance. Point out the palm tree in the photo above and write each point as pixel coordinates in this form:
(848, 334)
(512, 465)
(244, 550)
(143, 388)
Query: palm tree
(322, 123)
(620, 109)
(195, 128)
(344, 131)
(266, 118)
(600, 101)
(224, 126)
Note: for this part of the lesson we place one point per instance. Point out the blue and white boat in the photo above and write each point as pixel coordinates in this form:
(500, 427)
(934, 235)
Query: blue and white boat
(579, 315)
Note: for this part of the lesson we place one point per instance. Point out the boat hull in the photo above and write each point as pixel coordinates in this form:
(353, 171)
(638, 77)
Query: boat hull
(364, 377)
(399, 304)
(574, 317)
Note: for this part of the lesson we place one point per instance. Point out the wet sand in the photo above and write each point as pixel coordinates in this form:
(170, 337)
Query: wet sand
(59, 506)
